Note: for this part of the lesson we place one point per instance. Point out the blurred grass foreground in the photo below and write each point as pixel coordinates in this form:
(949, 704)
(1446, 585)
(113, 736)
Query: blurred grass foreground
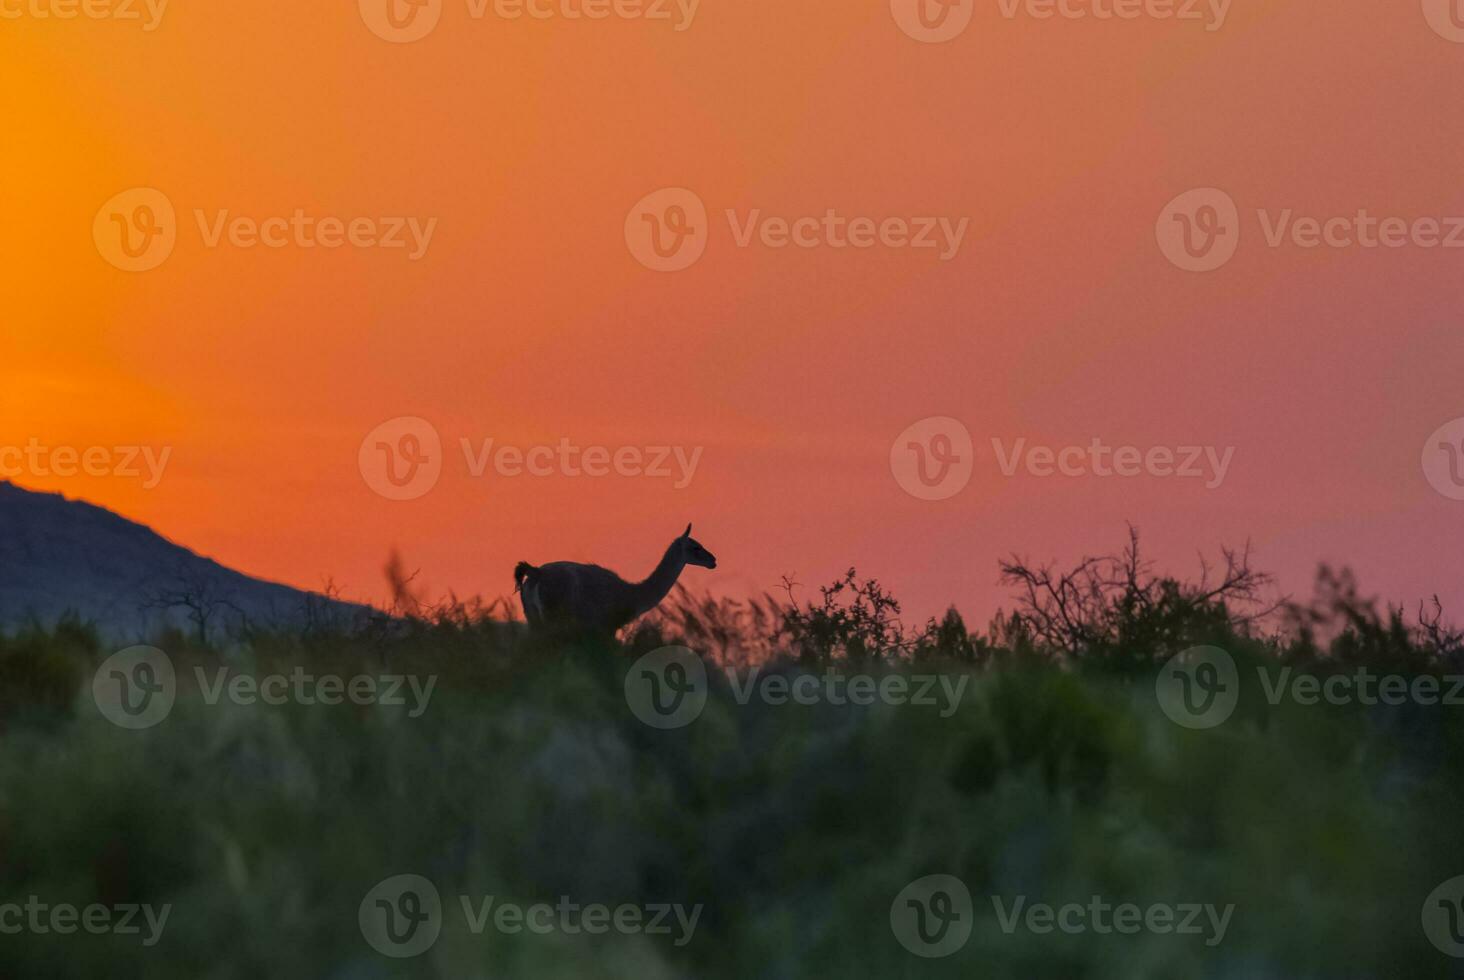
(1082, 789)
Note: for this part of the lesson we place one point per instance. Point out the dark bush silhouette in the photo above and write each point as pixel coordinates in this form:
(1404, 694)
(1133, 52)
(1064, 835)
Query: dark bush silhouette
(1055, 776)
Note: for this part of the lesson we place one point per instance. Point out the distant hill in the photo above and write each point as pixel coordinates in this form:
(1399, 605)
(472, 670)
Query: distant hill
(59, 555)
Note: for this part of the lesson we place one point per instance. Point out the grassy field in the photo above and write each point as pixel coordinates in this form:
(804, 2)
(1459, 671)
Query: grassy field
(790, 828)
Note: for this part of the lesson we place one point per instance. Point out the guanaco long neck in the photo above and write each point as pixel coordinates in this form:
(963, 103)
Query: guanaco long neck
(658, 585)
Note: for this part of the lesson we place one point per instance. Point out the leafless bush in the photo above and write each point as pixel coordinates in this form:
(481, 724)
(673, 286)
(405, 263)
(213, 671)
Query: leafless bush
(202, 595)
(1115, 605)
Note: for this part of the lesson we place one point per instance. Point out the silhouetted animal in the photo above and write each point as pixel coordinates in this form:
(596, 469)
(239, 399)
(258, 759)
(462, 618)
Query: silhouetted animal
(569, 597)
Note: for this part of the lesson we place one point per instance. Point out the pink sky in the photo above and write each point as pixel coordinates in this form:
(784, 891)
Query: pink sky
(528, 318)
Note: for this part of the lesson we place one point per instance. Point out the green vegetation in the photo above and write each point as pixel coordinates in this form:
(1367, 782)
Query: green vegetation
(527, 777)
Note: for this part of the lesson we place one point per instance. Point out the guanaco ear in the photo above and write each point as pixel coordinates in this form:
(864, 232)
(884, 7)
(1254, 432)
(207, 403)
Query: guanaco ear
(688, 532)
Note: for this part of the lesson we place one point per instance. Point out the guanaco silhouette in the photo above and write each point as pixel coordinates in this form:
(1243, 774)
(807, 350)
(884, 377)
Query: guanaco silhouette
(568, 597)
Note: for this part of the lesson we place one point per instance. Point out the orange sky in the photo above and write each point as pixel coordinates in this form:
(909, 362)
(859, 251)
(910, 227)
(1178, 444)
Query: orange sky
(529, 320)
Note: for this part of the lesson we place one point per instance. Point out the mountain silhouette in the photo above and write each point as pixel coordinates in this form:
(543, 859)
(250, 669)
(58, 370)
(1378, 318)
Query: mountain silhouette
(60, 556)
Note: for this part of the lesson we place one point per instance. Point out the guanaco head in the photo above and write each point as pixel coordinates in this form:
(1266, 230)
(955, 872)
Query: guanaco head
(693, 552)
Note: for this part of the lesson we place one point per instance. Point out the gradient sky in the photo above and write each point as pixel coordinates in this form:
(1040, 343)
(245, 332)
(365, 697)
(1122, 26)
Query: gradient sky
(529, 320)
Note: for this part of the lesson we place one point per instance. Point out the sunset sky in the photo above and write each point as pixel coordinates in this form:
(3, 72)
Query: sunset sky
(528, 318)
